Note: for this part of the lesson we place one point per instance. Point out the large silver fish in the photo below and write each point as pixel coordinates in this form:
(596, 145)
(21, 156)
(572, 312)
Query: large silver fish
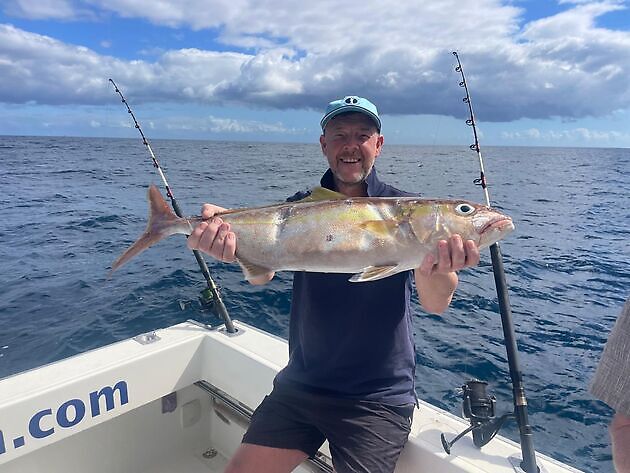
(329, 232)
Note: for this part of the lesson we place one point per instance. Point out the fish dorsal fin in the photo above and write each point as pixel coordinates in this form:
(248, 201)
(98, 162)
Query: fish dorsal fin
(321, 193)
(372, 273)
(380, 228)
(251, 270)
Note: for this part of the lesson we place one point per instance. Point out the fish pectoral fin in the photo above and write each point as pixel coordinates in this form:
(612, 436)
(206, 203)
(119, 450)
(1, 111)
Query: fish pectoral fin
(251, 270)
(372, 273)
(381, 228)
(321, 193)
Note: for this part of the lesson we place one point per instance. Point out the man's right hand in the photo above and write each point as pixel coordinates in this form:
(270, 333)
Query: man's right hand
(213, 236)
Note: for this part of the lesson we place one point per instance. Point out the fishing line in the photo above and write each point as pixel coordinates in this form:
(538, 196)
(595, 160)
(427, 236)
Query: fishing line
(520, 402)
(210, 296)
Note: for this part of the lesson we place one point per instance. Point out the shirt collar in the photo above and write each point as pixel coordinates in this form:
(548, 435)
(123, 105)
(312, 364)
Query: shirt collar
(374, 185)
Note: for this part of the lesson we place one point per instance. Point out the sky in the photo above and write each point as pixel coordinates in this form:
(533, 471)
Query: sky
(540, 72)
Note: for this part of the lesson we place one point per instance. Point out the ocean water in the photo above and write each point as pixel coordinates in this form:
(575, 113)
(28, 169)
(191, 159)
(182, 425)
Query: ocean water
(70, 206)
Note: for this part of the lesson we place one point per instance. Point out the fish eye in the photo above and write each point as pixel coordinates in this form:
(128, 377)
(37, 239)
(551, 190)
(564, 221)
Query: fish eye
(464, 209)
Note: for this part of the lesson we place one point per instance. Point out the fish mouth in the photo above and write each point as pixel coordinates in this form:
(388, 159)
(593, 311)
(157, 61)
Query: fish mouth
(500, 224)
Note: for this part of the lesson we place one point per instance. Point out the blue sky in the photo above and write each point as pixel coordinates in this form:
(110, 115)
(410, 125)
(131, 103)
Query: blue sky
(541, 73)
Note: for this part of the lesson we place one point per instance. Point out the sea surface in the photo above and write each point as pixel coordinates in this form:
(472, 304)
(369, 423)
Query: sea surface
(70, 206)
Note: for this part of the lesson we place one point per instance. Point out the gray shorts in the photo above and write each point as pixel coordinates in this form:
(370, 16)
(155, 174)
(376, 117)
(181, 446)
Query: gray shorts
(363, 436)
(611, 383)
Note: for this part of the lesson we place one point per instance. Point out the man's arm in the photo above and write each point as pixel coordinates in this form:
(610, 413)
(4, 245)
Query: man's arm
(215, 239)
(436, 281)
(620, 436)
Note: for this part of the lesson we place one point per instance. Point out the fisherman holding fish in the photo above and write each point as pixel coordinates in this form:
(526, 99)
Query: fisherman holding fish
(355, 245)
(350, 376)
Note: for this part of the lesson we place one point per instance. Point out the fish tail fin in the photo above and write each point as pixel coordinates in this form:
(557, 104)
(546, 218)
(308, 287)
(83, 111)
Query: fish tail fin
(162, 223)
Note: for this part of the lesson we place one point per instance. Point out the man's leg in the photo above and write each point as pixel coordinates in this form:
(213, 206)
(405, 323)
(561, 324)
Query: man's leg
(251, 458)
(366, 437)
(279, 437)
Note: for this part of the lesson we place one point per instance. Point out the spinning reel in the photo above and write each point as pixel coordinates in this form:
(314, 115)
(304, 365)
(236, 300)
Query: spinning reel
(479, 408)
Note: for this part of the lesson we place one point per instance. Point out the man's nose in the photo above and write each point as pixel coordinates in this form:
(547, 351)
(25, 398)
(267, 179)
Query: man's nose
(352, 142)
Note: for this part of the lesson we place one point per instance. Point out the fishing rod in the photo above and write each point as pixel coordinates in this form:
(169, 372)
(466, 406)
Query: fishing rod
(210, 296)
(478, 406)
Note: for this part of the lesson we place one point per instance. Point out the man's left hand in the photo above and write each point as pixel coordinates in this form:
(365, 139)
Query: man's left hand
(453, 254)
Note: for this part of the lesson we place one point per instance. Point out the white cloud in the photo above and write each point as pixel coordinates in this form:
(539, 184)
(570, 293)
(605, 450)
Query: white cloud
(214, 124)
(574, 135)
(46, 9)
(41, 69)
(533, 133)
(220, 125)
(39, 9)
(563, 65)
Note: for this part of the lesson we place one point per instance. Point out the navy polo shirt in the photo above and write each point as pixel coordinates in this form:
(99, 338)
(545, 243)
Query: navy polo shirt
(352, 339)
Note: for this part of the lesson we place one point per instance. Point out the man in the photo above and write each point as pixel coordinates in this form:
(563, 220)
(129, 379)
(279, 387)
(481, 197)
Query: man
(350, 376)
(611, 384)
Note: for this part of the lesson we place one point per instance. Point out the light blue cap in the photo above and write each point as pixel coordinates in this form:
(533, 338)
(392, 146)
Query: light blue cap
(351, 103)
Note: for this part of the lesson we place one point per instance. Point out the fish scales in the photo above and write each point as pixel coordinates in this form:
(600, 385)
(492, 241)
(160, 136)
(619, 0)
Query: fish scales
(312, 230)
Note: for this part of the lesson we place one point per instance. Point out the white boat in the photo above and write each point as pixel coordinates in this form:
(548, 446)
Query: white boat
(179, 400)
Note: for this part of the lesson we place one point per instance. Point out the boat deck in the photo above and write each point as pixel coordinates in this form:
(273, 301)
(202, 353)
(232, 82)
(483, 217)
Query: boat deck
(190, 464)
(180, 401)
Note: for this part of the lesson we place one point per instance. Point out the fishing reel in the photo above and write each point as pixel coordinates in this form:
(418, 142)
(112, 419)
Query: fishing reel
(205, 300)
(479, 408)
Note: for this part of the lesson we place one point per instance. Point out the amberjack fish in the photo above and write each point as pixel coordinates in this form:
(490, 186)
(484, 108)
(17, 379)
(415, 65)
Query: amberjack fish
(371, 237)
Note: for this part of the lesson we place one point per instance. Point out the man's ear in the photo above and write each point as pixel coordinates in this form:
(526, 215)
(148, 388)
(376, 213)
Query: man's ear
(322, 142)
(379, 145)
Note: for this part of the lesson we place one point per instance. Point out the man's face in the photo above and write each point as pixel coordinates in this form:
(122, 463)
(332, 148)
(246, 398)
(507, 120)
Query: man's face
(351, 144)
